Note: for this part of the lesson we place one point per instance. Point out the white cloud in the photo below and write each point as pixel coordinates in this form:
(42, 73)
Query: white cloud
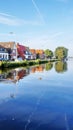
(5, 14)
(13, 21)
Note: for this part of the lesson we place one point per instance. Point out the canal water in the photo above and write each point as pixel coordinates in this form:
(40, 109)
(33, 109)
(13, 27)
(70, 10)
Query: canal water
(37, 98)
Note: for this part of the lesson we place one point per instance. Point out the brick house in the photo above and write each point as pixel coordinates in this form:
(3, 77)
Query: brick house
(33, 52)
(37, 53)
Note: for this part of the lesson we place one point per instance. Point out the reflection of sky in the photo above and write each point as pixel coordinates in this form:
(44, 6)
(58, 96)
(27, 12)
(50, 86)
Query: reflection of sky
(39, 104)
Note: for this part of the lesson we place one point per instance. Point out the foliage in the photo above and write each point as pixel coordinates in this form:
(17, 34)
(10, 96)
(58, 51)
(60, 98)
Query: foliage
(48, 66)
(60, 66)
(48, 53)
(61, 53)
(13, 64)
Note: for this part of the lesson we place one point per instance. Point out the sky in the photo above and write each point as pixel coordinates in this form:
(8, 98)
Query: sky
(39, 24)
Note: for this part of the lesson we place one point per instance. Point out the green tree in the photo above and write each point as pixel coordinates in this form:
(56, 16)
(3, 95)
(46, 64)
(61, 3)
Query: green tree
(61, 53)
(48, 53)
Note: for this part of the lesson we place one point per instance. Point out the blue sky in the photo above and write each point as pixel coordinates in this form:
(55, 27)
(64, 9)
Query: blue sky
(37, 23)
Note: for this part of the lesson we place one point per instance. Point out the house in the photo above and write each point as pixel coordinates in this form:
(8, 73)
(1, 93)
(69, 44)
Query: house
(3, 54)
(33, 52)
(11, 49)
(23, 52)
(37, 53)
(40, 54)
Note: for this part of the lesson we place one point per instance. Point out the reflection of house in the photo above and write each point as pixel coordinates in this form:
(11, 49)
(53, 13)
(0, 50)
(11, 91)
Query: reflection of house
(38, 69)
(11, 48)
(14, 75)
(3, 53)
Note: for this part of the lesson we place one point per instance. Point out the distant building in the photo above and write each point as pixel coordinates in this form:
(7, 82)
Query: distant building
(33, 52)
(37, 53)
(41, 53)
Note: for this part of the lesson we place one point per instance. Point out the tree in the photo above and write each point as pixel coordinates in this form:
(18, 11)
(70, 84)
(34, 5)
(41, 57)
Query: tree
(48, 53)
(61, 53)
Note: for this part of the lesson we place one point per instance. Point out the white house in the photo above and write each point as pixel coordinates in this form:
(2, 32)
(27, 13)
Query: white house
(3, 54)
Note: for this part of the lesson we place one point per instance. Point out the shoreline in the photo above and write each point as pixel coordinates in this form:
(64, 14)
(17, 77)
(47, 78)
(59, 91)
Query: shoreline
(25, 63)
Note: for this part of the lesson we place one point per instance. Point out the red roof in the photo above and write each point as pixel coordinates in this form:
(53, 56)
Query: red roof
(21, 50)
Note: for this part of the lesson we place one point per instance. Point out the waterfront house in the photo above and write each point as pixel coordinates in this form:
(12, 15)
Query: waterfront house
(23, 52)
(11, 49)
(37, 53)
(3, 54)
(40, 53)
(33, 52)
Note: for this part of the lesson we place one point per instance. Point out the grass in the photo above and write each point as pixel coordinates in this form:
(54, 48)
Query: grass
(25, 63)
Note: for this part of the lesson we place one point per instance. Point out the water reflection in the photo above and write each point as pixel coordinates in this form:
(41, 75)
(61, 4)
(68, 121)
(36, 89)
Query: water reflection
(48, 66)
(34, 104)
(39, 68)
(15, 75)
(61, 66)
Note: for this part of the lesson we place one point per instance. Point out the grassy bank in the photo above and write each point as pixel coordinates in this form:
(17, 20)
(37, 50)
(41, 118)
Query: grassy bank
(13, 64)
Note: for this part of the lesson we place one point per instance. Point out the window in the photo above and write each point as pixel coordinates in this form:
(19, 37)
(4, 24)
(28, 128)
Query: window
(26, 52)
(5, 56)
(13, 51)
(0, 55)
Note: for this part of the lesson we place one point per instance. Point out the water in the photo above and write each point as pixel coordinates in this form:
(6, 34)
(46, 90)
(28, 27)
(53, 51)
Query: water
(37, 98)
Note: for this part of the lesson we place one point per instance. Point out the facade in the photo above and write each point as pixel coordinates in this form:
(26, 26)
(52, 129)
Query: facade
(33, 52)
(20, 51)
(3, 54)
(11, 49)
(41, 54)
(23, 52)
(37, 53)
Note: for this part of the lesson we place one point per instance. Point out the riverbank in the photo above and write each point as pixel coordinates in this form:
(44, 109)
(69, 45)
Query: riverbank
(13, 64)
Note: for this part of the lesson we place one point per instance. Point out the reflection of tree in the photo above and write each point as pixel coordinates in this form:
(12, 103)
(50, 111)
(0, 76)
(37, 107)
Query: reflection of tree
(48, 66)
(0, 71)
(60, 66)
